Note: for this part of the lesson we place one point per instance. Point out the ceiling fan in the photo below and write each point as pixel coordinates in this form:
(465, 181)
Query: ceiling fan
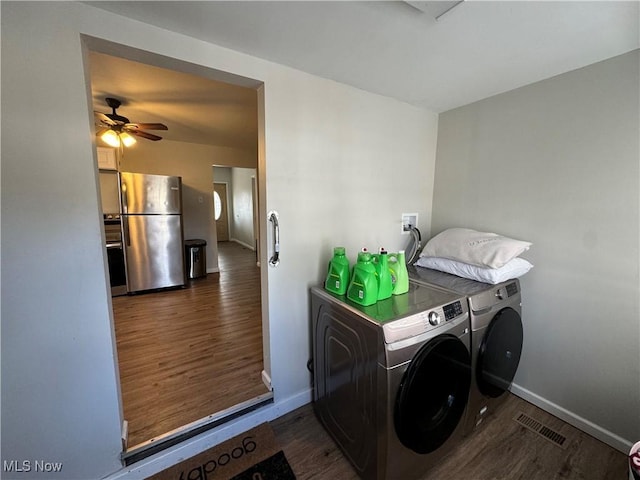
(117, 130)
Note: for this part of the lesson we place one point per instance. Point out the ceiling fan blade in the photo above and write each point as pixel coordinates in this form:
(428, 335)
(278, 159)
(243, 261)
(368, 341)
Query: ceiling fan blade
(104, 119)
(143, 134)
(147, 126)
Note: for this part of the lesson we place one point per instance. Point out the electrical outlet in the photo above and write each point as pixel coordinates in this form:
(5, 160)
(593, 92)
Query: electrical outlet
(409, 220)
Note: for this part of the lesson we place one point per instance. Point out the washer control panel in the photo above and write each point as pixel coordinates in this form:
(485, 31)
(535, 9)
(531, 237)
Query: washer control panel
(421, 322)
(452, 310)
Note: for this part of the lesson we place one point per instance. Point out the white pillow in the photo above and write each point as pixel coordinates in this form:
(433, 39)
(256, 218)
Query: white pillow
(513, 269)
(476, 248)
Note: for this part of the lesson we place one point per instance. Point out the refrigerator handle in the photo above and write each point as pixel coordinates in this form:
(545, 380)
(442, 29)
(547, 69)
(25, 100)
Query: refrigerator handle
(125, 203)
(275, 258)
(125, 230)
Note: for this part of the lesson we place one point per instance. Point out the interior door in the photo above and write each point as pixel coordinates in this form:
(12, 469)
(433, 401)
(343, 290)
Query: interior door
(222, 213)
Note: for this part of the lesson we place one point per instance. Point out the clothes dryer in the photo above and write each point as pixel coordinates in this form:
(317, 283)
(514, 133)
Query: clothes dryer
(496, 337)
(392, 381)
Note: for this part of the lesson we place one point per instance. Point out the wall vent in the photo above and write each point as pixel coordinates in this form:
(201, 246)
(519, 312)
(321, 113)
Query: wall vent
(542, 430)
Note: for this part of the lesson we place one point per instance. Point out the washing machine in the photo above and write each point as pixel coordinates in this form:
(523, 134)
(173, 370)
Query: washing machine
(391, 381)
(496, 337)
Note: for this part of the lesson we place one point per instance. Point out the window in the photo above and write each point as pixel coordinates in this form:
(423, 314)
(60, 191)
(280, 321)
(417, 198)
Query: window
(217, 205)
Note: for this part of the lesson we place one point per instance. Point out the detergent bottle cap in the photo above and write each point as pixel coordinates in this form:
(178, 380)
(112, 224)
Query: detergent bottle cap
(364, 256)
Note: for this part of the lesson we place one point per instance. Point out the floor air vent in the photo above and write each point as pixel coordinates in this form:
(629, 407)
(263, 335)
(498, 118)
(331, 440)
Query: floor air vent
(542, 430)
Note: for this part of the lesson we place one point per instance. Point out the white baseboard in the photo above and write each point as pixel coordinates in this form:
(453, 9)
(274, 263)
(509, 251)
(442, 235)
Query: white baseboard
(289, 404)
(571, 418)
(166, 458)
(266, 379)
(213, 270)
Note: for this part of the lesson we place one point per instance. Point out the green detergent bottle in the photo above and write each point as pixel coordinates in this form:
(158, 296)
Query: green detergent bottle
(385, 283)
(337, 279)
(363, 287)
(399, 272)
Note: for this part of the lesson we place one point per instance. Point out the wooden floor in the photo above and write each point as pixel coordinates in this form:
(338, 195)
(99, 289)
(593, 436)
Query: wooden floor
(188, 353)
(501, 450)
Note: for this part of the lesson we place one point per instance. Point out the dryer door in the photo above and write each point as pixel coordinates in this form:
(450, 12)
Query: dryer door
(499, 353)
(433, 394)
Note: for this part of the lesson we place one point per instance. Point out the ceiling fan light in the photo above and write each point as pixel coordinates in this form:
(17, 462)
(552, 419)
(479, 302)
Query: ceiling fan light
(110, 137)
(127, 140)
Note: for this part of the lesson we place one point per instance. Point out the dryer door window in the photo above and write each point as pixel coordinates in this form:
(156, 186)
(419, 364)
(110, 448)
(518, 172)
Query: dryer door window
(433, 394)
(499, 353)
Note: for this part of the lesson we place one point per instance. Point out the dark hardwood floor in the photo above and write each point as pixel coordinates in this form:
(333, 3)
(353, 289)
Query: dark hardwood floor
(501, 450)
(188, 353)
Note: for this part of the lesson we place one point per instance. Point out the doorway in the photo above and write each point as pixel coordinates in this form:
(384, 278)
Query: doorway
(221, 211)
(201, 321)
(189, 356)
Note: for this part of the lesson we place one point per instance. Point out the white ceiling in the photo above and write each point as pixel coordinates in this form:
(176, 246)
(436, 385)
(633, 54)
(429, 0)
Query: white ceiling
(399, 49)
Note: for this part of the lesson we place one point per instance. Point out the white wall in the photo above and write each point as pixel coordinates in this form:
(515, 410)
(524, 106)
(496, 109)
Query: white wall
(240, 207)
(222, 174)
(329, 148)
(242, 222)
(59, 377)
(557, 163)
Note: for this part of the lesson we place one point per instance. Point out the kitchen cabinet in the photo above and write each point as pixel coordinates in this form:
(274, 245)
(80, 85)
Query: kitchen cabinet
(107, 158)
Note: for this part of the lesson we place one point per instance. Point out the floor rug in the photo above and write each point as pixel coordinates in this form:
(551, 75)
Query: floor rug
(252, 455)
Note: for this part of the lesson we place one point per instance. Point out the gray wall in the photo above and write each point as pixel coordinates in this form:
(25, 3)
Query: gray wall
(222, 174)
(557, 163)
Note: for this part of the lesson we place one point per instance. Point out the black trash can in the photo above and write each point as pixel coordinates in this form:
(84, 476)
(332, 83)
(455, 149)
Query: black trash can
(195, 256)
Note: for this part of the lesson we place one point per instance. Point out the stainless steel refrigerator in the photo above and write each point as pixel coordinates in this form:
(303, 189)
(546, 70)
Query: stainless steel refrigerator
(151, 213)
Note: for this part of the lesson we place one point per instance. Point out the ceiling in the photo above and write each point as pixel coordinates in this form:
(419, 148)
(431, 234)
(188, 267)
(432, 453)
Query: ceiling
(195, 109)
(410, 51)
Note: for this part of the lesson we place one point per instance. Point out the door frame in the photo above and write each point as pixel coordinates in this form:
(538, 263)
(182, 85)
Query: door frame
(132, 53)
